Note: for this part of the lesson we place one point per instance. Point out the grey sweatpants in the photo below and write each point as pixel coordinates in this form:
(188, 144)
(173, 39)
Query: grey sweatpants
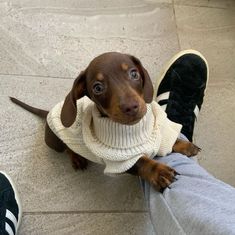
(196, 204)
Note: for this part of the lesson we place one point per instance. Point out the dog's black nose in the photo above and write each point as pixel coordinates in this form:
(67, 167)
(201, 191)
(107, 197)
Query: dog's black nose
(130, 108)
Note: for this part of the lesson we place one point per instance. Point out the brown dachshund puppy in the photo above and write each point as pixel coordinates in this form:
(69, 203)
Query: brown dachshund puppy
(120, 87)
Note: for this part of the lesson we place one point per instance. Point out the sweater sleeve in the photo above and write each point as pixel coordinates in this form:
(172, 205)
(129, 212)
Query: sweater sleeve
(169, 130)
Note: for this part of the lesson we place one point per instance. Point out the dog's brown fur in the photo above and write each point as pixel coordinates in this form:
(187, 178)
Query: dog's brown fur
(120, 87)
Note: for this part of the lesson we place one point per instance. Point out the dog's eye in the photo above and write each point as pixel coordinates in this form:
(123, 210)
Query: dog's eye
(133, 73)
(98, 88)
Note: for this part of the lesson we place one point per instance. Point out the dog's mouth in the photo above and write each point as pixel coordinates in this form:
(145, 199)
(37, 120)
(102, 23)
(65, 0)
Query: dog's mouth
(125, 121)
(123, 118)
(128, 120)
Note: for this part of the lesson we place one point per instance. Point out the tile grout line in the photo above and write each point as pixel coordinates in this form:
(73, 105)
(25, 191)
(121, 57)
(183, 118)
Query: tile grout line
(176, 25)
(73, 78)
(211, 7)
(85, 212)
(35, 76)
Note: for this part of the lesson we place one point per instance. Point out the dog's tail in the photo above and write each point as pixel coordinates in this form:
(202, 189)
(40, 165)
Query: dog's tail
(39, 112)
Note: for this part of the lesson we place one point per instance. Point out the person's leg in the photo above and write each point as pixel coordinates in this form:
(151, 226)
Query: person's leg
(10, 207)
(197, 203)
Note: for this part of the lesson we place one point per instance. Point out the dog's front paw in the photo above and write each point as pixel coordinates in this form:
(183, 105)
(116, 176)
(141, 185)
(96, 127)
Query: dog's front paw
(161, 176)
(185, 147)
(191, 149)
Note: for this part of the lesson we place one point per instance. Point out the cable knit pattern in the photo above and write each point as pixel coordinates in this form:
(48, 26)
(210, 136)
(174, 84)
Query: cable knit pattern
(118, 146)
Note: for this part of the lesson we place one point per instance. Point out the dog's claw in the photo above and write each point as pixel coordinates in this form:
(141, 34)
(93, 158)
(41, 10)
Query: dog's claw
(175, 179)
(161, 190)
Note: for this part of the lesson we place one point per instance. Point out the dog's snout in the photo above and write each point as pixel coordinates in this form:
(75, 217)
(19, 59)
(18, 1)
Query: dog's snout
(130, 108)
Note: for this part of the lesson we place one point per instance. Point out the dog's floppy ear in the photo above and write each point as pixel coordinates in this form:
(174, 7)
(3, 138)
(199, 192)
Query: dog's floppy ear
(148, 86)
(69, 109)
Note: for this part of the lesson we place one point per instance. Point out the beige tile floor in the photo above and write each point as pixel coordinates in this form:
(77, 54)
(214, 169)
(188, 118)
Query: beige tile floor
(44, 45)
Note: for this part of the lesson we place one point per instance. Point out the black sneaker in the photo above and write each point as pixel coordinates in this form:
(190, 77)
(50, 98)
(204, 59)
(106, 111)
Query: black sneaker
(10, 207)
(181, 88)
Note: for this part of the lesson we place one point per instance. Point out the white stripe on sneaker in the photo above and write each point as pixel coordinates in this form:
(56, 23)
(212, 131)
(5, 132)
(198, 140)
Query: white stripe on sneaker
(11, 217)
(163, 96)
(196, 111)
(166, 95)
(8, 229)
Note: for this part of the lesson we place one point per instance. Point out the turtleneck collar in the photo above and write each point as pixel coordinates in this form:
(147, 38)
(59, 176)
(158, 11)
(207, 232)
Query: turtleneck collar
(116, 135)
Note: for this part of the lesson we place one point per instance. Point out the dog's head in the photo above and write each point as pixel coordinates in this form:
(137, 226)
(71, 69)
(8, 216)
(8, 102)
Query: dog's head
(117, 83)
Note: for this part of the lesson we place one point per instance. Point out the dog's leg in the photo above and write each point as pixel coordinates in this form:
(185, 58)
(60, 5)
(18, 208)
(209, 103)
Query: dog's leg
(156, 173)
(53, 141)
(185, 147)
(78, 162)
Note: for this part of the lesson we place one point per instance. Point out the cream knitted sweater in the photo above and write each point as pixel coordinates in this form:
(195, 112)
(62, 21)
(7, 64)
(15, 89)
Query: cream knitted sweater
(118, 146)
